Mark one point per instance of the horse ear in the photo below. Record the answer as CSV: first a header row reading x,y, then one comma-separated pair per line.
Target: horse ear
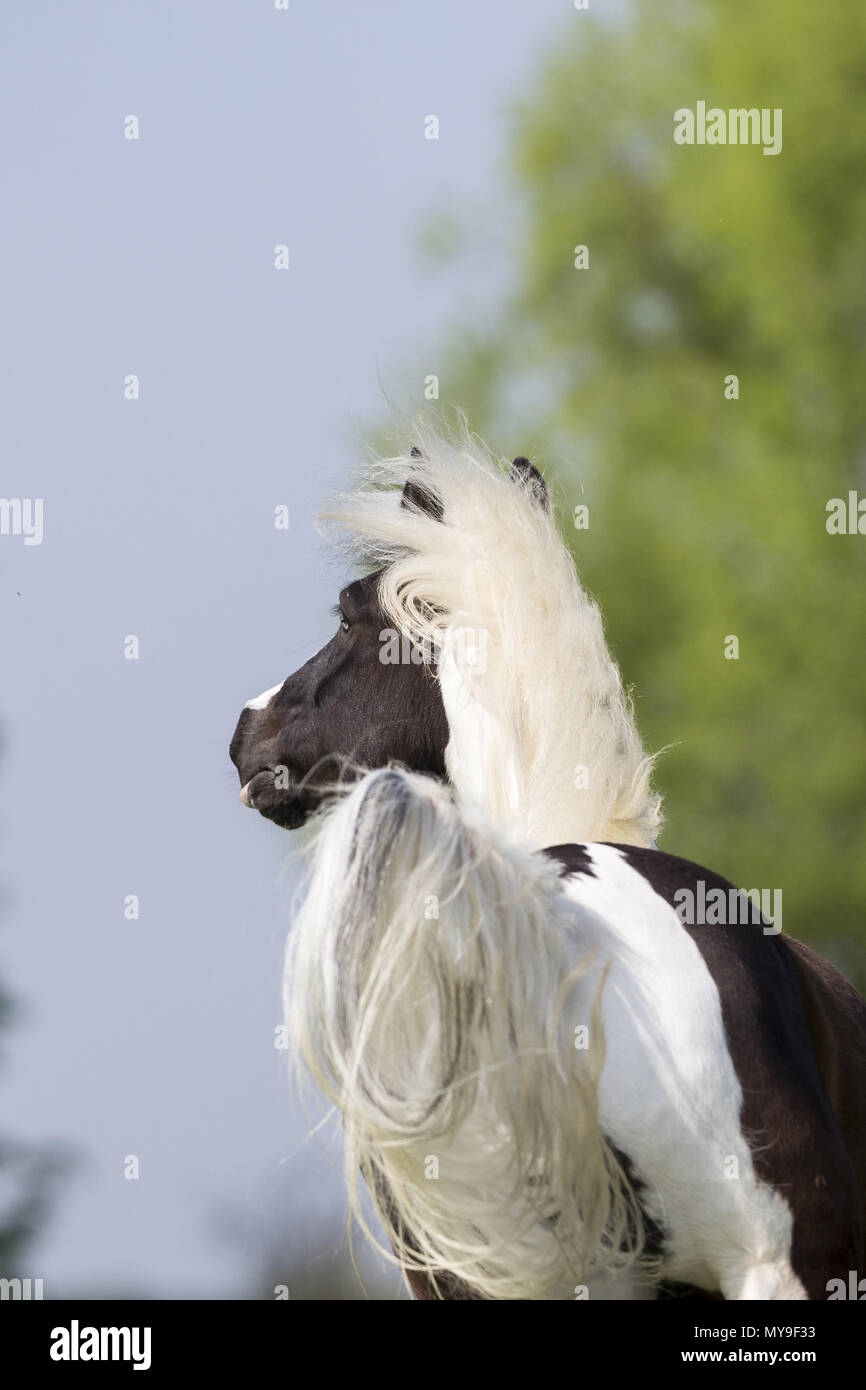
x,y
528,476
417,497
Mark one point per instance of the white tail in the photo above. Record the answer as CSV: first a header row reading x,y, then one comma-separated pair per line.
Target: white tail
x,y
434,980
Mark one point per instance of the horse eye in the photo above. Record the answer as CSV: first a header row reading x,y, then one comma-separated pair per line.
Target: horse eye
x,y
338,613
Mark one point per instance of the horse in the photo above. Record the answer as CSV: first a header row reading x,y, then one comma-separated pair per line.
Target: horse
x,y
555,1079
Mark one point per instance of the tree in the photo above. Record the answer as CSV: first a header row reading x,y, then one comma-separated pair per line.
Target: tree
x,y
28,1178
707,510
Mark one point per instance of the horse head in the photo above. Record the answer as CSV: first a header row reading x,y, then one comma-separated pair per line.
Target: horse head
x,y
368,698
468,651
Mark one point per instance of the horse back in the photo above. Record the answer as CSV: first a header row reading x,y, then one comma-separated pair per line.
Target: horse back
x,y
796,1035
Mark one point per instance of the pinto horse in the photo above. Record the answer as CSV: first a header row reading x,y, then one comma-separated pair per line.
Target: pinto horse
x,y
554,1074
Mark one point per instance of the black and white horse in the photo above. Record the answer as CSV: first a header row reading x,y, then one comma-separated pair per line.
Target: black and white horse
x,y
564,1060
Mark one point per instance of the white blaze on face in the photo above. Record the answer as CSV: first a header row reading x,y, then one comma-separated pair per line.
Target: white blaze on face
x,y
262,701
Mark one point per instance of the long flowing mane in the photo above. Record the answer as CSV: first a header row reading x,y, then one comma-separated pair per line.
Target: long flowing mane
x,y
542,732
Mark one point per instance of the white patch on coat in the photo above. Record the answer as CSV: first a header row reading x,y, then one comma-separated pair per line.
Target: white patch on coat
x,y
669,1095
262,701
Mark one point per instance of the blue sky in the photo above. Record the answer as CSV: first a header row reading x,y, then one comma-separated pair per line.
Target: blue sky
x,y
155,257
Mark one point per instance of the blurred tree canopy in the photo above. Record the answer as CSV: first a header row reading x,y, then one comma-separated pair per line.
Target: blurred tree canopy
x,y
29,1175
707,515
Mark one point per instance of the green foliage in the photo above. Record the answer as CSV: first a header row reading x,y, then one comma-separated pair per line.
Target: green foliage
x,y
707,515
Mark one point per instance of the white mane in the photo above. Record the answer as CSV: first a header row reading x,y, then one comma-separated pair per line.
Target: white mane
x,y
542,733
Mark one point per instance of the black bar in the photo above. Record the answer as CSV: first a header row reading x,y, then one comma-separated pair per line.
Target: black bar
x,y
239,1338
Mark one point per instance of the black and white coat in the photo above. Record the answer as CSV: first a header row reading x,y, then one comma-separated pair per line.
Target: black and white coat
x,y
746,1171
